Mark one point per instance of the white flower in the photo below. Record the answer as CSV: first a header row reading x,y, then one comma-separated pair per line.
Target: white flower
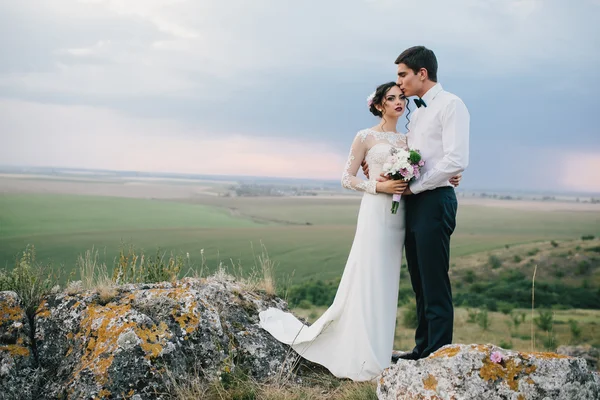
x,y
201,252
370,99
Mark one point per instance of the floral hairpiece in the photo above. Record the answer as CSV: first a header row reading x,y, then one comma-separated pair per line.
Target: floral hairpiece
x,y
370,99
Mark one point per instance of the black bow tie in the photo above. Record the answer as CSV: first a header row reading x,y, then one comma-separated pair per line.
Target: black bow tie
x,y
420,102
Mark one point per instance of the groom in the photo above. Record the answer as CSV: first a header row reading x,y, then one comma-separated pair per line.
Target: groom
x,y
439,128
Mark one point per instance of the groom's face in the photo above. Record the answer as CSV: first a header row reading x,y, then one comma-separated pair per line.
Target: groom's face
x,y
409,82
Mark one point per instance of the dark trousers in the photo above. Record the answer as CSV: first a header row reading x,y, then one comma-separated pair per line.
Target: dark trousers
x,y
430,221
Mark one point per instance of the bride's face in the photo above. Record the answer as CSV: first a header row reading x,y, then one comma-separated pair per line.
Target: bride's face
x,y
393,102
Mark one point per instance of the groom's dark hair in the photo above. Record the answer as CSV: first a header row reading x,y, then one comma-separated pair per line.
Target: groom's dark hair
x,y
418,57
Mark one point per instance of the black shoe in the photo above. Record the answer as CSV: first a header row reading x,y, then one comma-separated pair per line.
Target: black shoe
x,y
404,356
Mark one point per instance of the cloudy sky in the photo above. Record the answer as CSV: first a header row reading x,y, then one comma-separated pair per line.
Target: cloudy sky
x,y
278,88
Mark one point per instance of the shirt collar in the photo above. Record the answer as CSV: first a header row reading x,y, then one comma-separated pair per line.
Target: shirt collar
x,y
431,93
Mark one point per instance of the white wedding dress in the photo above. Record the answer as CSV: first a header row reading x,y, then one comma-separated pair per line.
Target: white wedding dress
x,y
355,336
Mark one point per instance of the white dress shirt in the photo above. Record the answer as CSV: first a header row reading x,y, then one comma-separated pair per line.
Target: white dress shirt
x,y
440,131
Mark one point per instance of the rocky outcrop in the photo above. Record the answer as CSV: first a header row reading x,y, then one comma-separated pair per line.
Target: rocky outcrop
x,y
90,346
590,354
19,375
131,341
487,372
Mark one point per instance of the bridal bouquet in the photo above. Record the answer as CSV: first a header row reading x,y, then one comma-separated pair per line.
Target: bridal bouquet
x,y
405,165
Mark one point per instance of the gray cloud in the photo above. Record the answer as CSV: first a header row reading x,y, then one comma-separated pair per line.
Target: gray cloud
x,y
302,70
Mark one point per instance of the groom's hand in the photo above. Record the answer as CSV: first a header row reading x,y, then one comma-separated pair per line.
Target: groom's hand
x,y
455,180
407,191
365,168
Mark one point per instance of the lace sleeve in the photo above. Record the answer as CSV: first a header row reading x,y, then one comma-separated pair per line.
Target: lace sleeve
x,y
355,158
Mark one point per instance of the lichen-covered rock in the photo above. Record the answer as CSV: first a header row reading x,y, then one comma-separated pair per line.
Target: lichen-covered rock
x,y
457,372
253,349
18,374
132,341
122,347
590,354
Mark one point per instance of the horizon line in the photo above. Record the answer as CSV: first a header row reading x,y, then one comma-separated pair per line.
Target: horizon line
x,y
229,177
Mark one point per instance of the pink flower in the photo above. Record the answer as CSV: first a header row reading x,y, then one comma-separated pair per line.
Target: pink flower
x,y
496,357
421,163
416,173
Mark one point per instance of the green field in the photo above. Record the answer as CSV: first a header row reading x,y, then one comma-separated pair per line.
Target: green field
x,y
307,238
501,330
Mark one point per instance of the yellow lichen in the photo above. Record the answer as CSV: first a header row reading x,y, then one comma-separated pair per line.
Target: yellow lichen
x,y
10,313
185,316
153,338
543,355
104,393
481,348
430,383
447,352
510,372
102,340
521,397
15,350
101,327
43,311
187,319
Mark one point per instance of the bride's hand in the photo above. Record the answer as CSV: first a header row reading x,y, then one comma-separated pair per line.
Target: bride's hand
x,y
391,186
383,178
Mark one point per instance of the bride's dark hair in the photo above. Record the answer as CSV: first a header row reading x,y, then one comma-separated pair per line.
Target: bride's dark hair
x,y
380,93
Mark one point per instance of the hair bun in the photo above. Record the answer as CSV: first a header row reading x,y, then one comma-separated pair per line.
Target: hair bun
x,y
375,111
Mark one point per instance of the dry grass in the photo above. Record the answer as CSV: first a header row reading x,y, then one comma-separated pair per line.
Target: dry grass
x,y
238,386
92,272
259,278
134,266
265,270
94,276
106,294
532,309
74,287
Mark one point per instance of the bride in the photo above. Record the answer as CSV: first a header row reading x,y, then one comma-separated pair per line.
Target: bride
x,y
355,336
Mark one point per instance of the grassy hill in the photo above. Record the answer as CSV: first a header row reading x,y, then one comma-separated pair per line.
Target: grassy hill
x,y
308,238
567,276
